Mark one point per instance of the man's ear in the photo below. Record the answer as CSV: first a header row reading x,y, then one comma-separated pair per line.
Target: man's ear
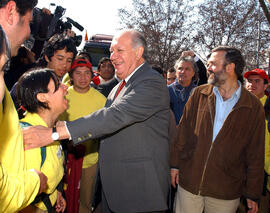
x,y
139,52
230,68
11,12
42,97
46,59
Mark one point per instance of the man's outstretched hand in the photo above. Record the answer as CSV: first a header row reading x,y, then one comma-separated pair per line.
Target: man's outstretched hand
x,y
38,136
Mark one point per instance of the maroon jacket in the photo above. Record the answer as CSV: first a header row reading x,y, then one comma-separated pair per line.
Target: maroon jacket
x,y
233,164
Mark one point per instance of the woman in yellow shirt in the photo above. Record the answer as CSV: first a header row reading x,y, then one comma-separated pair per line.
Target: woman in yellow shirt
x,y
41,94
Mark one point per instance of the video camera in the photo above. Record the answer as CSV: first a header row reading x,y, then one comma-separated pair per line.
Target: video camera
x,y
44,26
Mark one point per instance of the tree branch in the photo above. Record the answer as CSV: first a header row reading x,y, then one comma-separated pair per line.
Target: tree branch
x,y
265,10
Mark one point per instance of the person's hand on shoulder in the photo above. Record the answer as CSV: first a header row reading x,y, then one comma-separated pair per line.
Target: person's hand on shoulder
x,y
36,136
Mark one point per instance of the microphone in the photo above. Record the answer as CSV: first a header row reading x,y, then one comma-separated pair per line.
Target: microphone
x,y
75,24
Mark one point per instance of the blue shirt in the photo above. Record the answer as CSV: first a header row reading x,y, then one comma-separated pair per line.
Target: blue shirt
x,y
223,108
178,98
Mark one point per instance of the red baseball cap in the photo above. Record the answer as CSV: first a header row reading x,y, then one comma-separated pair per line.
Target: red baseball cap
x,y
259,72
81,63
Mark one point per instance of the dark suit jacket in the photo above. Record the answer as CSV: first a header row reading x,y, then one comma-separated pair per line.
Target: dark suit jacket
x,y
134,151
107,87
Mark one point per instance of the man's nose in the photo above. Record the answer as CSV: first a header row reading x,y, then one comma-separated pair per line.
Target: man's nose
x,y
113,56
65,64
208,67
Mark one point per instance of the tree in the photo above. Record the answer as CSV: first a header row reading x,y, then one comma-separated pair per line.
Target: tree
x,y
234,23
171,26
163,24
265,10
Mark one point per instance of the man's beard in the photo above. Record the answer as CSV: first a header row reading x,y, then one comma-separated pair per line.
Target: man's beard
x,y
217,78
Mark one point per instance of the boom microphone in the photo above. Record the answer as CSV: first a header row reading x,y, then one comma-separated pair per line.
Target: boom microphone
x,y
75,24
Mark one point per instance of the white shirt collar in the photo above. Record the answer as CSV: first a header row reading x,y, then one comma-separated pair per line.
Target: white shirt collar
x,y
131,74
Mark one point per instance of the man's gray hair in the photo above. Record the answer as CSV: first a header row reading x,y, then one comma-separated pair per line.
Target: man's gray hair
x,y
138,40
194,65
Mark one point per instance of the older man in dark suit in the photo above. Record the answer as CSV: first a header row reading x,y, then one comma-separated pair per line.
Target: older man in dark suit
x,y
133,157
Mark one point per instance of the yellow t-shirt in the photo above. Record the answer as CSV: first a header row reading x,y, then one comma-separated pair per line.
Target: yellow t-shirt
x,y
81,104
14,197
53,165
267,147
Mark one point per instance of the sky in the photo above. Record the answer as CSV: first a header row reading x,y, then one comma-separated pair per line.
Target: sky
x,y
97,17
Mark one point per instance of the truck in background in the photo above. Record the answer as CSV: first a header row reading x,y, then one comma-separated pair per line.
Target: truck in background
x,y
98,46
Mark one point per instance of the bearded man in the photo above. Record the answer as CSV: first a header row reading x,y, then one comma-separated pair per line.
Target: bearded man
x,y
219,152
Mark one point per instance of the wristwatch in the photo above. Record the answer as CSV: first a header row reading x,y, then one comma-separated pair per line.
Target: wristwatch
x,y
55,135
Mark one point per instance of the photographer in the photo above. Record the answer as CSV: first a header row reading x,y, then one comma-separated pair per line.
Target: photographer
x,y
45,25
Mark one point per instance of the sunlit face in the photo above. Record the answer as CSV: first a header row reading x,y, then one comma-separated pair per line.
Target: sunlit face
x,y
20,31
60,62
123,56
171,76
106,70
215,69
81,77
184,73
56,99
255,84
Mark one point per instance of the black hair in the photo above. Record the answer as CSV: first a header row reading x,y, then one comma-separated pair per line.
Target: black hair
x,y
23,6
57,42
81,53
102,60
171,70
30,84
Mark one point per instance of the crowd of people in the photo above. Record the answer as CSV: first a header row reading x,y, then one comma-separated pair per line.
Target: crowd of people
x,y
128,137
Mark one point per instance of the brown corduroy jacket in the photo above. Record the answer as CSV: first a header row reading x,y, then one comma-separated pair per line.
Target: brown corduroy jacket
x,y
233,164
